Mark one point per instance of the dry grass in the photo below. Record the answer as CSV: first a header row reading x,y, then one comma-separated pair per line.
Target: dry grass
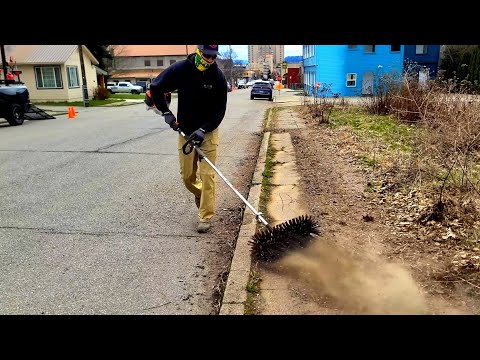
x,y
440,159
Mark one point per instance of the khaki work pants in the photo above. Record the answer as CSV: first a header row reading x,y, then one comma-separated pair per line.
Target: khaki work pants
x,y
203,184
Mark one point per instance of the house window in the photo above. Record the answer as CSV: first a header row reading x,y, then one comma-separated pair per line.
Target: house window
x,y
351,80
394,48
48,77
172,61
72,76
352,47
420,49
369,48
147,62
159,62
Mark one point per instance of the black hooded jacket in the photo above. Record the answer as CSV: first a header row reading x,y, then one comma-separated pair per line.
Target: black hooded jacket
x,y
202,95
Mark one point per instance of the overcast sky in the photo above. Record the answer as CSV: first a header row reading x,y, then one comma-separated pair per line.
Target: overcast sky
x,y
242,50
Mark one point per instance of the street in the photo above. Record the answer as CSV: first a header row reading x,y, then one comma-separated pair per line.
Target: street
x,y
94,218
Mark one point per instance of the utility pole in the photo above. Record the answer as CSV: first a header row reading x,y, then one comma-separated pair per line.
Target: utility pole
x,y
231,67
86,102
4,63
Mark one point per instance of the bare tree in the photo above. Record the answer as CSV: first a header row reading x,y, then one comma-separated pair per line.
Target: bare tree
x,y
115,50
226,62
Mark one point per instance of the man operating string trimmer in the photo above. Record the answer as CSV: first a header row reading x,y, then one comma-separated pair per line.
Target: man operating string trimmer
x,y
202,101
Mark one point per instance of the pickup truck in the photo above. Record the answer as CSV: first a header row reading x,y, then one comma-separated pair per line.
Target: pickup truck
x,y
124,87
14,103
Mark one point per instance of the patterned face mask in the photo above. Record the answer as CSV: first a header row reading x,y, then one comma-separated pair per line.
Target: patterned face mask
x,y
200,62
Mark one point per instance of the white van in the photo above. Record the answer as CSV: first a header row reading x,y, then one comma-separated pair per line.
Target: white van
x,y
241,84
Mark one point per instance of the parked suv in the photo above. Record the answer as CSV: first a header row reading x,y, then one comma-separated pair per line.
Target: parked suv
x,y
14,103
261,89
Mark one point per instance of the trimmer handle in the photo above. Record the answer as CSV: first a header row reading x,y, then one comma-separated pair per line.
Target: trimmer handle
x,y
190,144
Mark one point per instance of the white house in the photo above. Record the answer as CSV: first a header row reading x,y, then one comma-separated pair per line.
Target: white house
x,y
53,72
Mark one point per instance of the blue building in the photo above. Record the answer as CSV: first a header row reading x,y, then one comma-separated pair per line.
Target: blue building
x,y
423,57
352,70
349,70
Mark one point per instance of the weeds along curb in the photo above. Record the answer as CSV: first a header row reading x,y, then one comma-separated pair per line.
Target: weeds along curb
x,y
236,288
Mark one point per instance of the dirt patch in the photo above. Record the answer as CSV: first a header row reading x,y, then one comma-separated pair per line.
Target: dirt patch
x,y
228,221
372,255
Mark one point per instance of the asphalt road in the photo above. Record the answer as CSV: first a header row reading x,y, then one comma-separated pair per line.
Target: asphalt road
x,y
94,220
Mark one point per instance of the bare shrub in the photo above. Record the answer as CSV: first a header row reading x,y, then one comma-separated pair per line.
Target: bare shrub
x,y
101,93
384,88
323,103
343,103
446,152
414,99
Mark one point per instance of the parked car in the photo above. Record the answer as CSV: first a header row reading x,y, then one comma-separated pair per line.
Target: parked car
x,y
14,103
111,84
125,87
143,84
261,89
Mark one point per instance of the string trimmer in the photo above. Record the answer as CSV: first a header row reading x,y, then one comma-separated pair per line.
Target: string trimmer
x,y
271,242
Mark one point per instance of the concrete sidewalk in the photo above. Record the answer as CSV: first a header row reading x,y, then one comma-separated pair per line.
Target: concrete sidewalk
x,y
284,204
284,187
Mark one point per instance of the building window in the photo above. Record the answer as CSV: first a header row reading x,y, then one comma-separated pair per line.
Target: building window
x,y
351,80
369,48
172,61
394,48
72,76
48,77
352,47
308,50
147,62
420,49
159,62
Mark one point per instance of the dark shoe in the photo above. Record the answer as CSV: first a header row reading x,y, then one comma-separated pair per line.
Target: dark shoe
x,y
197,202
203,227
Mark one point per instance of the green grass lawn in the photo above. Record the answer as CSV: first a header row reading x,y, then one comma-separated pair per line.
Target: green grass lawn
x,y
92,103
133,96
112,99
127,96
396,135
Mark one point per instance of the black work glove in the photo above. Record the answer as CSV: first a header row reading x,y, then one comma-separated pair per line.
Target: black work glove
x,y
197,136
171,120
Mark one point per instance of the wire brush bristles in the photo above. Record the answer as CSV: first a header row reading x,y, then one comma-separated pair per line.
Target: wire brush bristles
x,y
270,245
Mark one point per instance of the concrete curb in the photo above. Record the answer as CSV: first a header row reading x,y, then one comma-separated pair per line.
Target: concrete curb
x,y
235,295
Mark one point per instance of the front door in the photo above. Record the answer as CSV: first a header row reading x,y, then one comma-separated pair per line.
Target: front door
x,y
423,78
367,83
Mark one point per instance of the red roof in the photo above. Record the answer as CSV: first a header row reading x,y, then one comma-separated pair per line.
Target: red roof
x,y
126,74
153,50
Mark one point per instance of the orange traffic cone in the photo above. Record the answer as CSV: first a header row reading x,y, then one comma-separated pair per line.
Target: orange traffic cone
x,y
71,112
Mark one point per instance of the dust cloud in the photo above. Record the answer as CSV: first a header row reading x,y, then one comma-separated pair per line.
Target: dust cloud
x,y
360,284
